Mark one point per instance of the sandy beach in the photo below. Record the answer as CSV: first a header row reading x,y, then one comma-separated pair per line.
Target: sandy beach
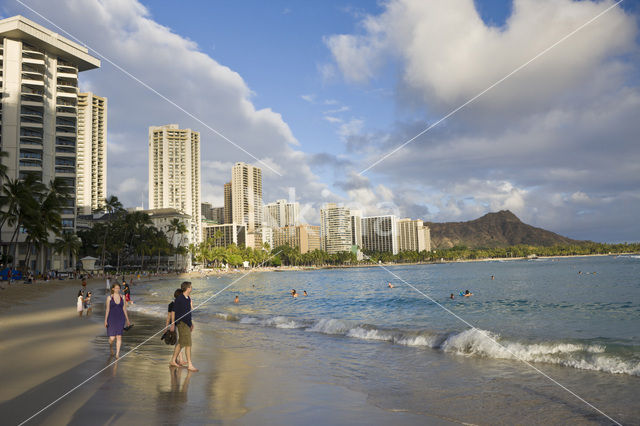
x,y
47,351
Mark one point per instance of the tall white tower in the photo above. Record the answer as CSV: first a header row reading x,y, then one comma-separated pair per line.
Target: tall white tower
x,y
174,172
91,173
39,82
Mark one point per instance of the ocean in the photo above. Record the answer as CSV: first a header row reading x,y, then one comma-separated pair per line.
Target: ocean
x,y
576,320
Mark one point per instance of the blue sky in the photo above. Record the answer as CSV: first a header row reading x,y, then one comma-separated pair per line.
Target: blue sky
x,y
319,91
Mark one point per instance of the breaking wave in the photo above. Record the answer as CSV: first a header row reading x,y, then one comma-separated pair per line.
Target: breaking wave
x,y
470,342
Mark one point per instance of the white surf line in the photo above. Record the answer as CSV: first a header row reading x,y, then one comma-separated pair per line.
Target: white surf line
x,y
502,346
452,112
136,347
149,87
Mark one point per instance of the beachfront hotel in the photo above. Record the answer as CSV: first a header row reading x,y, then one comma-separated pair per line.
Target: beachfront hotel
x,y
305,237
39,116
174,173
246,195
281,213
380,233
224,235
91,172
413,235
335,228
356,228
228,204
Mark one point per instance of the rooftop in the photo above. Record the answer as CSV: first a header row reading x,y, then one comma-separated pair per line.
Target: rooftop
x,y
20,28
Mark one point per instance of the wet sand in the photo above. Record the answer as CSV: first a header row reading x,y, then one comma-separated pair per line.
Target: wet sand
x,y
47,351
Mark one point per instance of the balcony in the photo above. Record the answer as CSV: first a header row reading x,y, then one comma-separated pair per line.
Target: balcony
x,y
25,122
63,101
62,141
31,143
32,98
68,95
34,78
63,133
31,155
33,61
29,134
31,164
63,90
65,171
66,111
31,112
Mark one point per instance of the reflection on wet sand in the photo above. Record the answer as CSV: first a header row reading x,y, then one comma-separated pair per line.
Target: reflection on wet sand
x,y
229,384
171,402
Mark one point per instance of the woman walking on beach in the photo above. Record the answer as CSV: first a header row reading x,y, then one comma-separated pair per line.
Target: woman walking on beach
x,y
115,318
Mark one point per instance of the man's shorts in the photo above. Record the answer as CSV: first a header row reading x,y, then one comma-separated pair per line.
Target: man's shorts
x,y
184,335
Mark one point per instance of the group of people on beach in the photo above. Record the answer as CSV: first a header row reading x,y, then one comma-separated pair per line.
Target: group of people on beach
x,y
179,321
83,303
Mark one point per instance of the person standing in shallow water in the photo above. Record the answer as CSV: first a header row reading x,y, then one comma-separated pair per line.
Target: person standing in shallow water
x,y
80,303
183,308
115,318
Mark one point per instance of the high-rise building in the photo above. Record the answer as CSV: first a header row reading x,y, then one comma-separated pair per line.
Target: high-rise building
x,y
356,228
335,228
217,214
305,237
225,234
380,233
39,83
91,170
174,172
206,211
427,238
413,235
228,203
282,213
246,195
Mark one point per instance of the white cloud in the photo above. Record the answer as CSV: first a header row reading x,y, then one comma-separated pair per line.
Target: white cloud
x,y
308,97
343,108
556,143
449,55
332,119
125,32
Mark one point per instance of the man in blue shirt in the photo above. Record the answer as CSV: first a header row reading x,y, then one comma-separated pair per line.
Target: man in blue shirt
x,y
182,307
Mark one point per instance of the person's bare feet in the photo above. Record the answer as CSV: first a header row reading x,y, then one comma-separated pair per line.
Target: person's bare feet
x,y
173,364
192,368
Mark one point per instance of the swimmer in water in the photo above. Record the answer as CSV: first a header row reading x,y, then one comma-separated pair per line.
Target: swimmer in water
x,y
467,293
236,300
390,285
493,277
452,296
294,293
304,292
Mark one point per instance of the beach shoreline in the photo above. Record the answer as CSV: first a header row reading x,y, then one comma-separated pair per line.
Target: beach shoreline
x,y
52,351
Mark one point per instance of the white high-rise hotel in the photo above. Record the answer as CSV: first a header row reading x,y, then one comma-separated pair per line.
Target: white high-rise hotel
x,y
174,172
91,187
246,195
39,83
282,213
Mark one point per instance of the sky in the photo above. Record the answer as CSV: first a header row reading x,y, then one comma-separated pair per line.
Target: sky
x,y
316,93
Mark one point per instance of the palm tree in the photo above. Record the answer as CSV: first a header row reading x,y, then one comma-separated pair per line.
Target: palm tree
x,y
69,244
22,200
111,206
